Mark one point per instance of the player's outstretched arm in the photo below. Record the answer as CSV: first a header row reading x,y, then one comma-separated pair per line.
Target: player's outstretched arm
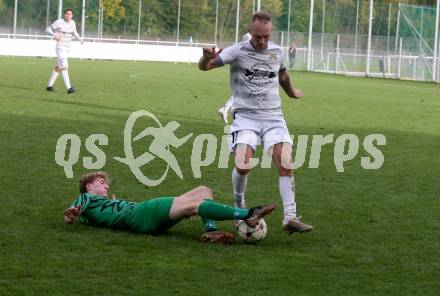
x,y
50,31
71,214
208,59
286,84
78,37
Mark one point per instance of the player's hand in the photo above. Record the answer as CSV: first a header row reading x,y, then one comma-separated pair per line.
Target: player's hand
x,y
71,214
297,93
210,53
57,36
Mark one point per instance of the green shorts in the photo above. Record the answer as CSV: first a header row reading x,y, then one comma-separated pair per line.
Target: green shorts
x,y
152,216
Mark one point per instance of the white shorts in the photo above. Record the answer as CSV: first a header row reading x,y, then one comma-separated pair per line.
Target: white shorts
x,y
250,130
61,58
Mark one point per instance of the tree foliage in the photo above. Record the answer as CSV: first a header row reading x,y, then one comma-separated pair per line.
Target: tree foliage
x,y
198,17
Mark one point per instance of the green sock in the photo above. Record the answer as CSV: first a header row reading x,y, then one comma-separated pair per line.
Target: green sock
x,y
209,225
211,210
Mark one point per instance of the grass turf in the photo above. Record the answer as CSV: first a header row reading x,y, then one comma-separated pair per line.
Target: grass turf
x,y
376,231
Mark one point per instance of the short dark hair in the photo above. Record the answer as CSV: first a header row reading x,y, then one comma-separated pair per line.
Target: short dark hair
x,y
68,9
261,16
90,178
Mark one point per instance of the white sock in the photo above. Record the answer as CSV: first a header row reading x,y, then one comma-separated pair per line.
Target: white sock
x,y
53,78
239,183
228,104
66,79
287,192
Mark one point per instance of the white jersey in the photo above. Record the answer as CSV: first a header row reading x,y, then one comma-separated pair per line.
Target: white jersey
x,y
246,37
254,78
66,29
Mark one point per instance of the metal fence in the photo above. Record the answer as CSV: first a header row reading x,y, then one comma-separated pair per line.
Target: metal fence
x,y
353,37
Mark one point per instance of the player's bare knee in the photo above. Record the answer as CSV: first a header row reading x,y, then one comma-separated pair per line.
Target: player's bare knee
x,y
243,158
193,208
282,157
204,192
242,171
192,205
285,172
286,162
243,165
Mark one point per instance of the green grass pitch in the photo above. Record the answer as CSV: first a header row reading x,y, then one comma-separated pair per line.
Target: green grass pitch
x,y
376,231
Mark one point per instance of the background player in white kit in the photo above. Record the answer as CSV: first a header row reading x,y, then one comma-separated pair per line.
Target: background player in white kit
x,y
62,29
226,108
256,72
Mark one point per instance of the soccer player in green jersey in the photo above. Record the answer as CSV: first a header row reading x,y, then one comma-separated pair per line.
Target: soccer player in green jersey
x,y
156,215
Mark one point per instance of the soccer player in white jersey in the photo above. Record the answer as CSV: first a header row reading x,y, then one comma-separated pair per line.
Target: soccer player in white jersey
x,y
62,29
256,72
224,110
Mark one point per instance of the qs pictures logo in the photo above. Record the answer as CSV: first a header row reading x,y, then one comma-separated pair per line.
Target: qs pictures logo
x,y
206,148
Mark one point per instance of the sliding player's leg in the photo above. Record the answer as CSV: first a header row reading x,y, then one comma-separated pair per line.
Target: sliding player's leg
x,y
199,201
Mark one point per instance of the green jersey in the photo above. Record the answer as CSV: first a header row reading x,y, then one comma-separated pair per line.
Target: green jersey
x,y
150,216
99,210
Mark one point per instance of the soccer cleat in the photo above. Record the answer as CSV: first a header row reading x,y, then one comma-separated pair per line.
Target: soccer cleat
x,y
50,88
256,213
219,237
223,114
71,90
295,225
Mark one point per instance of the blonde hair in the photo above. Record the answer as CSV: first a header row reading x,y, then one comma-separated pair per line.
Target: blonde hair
x,y
90,178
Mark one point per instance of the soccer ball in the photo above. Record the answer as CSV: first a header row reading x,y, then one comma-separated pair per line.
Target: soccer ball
x,y
252,234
